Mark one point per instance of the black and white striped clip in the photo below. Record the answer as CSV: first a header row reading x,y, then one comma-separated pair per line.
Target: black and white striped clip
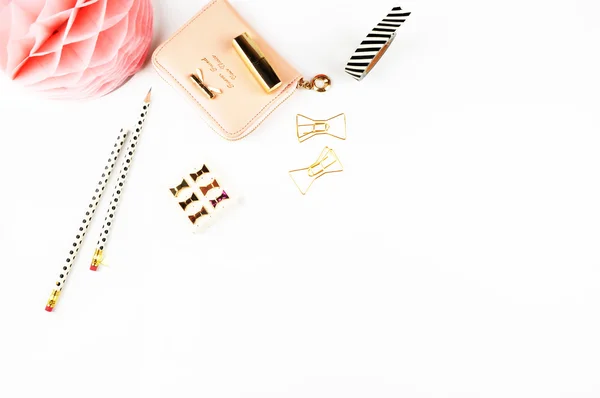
x,y
375,44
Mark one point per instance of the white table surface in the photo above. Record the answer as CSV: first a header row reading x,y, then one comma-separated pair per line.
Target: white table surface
x,y
456,256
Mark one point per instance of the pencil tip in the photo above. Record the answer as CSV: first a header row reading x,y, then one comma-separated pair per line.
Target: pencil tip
x,y
148,95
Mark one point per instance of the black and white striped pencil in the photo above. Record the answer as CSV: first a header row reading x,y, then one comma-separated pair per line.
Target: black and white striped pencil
x,y
89,213
120,184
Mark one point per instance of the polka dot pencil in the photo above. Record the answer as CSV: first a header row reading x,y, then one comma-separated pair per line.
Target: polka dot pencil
x,y
120,184
85,223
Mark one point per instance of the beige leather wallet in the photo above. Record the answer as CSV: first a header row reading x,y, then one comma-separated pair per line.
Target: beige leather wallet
x,y
200,62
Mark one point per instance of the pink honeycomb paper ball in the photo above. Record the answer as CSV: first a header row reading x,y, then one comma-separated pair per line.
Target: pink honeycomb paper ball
x,y
74,49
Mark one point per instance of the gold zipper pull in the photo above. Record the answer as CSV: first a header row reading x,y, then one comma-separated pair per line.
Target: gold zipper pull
x,y
319,83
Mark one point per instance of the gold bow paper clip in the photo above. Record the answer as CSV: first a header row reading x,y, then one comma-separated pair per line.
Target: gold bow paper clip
x,y
177,190
219,199
186,203
210,92
201,215
328,162
307,128
206,189
204,170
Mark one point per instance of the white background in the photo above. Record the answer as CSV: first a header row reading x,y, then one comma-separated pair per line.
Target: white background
x,y
456,256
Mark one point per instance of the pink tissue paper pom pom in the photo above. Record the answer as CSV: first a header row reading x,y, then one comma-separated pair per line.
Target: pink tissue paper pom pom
x,y
74,49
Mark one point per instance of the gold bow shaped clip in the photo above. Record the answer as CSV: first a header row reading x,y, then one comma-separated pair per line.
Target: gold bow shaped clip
x,y
177,190
204,170
210,92
206,189
328,162
199,215
186,203
307,128
219,199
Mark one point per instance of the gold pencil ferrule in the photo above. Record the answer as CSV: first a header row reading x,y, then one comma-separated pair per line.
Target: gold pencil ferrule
x,y
97,259
52,300
256,62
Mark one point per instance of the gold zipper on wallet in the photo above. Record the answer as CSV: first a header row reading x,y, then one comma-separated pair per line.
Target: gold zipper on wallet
x,y
319,83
